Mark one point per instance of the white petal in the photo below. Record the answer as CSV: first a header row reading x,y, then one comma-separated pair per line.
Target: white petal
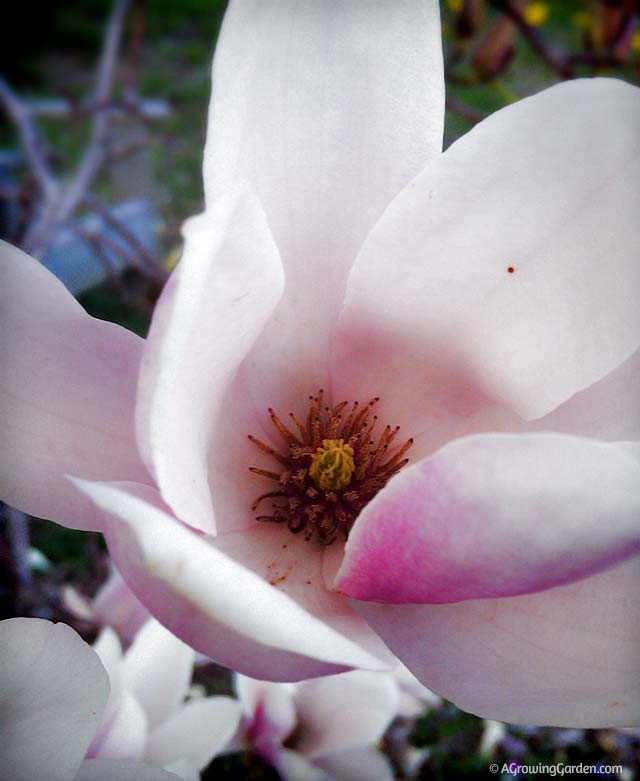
x,y
117,770
183,770
53,690
209,315
199,731
124,735
157,668
67,395
344,712
609,409
566,657
328,109
547,187
292,766
361,765
220,607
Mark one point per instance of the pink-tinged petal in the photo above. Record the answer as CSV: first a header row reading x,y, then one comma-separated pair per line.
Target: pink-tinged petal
x,y
157,669
124,735
565,657
215,604
344,712
67,395
496,515
509,265
609,409
53,690
269,711
328,110
360,765
226,285
197,732
117,770
115,605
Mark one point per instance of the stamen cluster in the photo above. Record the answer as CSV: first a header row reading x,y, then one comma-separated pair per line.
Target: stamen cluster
x,y
306,503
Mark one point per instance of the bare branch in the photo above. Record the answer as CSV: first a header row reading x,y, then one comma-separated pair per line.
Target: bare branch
x,y
30,139
553,56
148,262
58,212
60,108
464,111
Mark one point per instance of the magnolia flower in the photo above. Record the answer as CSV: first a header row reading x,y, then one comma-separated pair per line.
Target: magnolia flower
x,y
321,729
484,300
146,717
53,691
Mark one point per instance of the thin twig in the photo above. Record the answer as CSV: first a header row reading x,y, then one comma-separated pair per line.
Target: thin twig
x,y
550,54
30,139
57,213
464,111
143,108
153,267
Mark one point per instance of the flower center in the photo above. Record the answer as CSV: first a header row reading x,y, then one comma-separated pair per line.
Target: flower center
x,y
332,465
330,468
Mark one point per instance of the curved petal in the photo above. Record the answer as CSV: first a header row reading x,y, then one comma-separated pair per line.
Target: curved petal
x,y
109,650
565,657
157,668
414,697
344,712
294,566
609,409
210,313
508,268
116,606
67,395
125,734
292,766
269,711
197,732
214,603
328,109
361,765
117,770
496,515
53,690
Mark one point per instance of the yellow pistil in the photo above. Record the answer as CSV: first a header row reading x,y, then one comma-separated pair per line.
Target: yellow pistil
x,y
332,465
331,469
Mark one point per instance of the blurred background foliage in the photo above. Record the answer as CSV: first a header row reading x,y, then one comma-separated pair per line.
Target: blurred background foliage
x,y
495,53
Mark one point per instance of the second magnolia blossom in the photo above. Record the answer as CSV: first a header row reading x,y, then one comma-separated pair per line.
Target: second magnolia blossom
x,y
485,295
327,728
147,718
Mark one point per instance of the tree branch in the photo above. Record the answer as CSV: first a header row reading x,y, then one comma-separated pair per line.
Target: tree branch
x,y
57,212
30,139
